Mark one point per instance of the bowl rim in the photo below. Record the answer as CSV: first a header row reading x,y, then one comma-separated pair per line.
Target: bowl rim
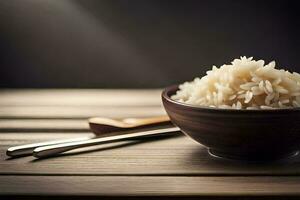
x,y
206,108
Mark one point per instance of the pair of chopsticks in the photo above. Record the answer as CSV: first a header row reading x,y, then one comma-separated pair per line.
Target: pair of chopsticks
x,y
101,127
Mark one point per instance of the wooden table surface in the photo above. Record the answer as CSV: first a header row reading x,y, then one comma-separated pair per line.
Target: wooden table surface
x,y
170,167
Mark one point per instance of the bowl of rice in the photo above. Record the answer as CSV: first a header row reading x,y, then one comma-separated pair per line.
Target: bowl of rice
x,y
245,110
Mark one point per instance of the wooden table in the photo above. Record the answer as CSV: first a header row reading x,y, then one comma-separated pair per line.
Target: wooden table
x,y
172,167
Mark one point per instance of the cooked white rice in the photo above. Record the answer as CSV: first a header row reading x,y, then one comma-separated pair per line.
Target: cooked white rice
x,y
245,84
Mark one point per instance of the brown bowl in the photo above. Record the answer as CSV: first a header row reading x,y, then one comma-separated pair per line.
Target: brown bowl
x,y
237,134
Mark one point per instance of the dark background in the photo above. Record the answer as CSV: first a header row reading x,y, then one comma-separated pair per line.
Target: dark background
x,y
138,43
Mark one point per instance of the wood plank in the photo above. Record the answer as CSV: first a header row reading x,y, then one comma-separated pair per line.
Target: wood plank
x,y
172,156
46,125
80,97
170,166
77,112
9,138
149,186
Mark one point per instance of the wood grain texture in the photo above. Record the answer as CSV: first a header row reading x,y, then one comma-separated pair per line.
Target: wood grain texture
x,y
172,156
78,112
79,104
79,97
175,166
150,186
46,125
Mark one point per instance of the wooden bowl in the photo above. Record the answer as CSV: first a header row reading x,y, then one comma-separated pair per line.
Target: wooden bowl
x,y
237,134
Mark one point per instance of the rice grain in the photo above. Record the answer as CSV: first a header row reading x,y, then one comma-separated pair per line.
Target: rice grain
x,y
243,84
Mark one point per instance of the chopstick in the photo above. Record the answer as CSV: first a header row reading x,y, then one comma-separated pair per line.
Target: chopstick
x,y
102,127
51,150
27,149
48,148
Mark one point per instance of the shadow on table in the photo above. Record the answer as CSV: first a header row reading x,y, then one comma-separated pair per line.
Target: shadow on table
x,y
110,146
200,159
